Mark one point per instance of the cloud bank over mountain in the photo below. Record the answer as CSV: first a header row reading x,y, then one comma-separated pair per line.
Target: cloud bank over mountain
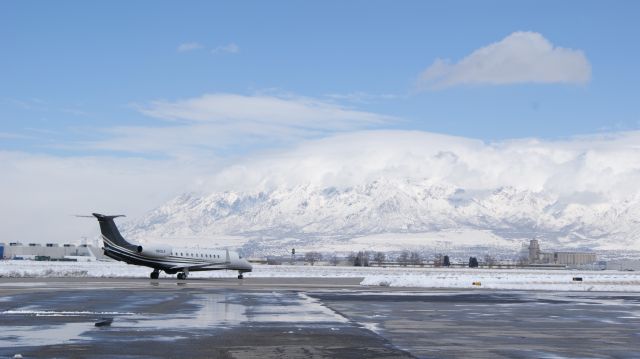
x,y
582,191
607,166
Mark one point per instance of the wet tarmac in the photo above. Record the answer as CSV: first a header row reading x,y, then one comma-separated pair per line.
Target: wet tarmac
x,y
307,318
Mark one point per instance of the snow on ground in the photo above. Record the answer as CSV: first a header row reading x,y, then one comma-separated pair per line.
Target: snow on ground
x,y
511,279
558,280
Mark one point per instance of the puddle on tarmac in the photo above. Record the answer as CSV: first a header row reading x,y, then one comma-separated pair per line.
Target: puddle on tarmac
x,y
53,313
213,311
221,310
20,336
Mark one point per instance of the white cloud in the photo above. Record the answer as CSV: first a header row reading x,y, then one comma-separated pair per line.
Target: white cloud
x,y
522,57
230,48
302,112
215,122
189,46
605,165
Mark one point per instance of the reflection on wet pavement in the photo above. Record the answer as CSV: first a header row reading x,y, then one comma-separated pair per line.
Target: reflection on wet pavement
x,y
194,312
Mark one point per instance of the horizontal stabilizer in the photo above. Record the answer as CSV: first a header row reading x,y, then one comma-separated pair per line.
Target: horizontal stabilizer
x,y
100,216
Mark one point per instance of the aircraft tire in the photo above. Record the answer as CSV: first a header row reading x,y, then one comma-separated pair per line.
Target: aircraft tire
x,y
154,275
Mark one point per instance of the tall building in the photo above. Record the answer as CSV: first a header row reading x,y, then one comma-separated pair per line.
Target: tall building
x,y
534,251
536,256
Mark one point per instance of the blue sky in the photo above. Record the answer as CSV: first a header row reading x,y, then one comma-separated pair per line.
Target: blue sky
x,y
119,106
71,69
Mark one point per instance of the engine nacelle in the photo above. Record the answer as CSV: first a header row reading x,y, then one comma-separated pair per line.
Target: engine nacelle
x,y
154,251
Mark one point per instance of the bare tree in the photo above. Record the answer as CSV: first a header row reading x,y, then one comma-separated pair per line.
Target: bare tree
x,y
379,258
522,261
334,259
489,261
415,259
312,257
362,259
351,258
438,261
403,259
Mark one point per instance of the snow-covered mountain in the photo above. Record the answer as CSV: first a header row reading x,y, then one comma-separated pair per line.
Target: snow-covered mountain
x,y
391,214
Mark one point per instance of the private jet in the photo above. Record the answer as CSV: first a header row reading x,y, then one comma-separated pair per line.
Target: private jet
x,y
169,259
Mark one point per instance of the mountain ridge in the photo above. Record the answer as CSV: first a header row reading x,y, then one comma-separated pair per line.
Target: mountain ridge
x,y
309,215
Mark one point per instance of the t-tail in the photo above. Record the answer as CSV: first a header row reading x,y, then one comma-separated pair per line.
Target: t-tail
x,y
110,233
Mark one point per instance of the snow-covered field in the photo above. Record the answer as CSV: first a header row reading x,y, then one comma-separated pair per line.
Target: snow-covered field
x,y
512,279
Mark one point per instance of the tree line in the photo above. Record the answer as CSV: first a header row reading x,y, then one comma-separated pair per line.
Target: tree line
x,y
406,258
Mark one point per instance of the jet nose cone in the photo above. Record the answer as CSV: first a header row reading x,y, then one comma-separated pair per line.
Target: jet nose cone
x,y
247,265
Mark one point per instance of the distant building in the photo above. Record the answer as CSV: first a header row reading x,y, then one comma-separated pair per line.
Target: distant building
x,y
625,264
50,250
536,256
534,251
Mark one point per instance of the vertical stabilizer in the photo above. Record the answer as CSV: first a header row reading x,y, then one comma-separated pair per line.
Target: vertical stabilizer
x,y
110,231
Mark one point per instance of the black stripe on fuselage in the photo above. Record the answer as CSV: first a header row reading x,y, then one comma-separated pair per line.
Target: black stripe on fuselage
x,y
166,263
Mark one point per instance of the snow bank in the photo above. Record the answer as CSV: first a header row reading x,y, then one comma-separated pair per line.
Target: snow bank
x,y
559,280
512,279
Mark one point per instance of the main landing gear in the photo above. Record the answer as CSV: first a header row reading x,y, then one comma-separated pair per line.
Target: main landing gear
x,y
182,276
240,276
155,274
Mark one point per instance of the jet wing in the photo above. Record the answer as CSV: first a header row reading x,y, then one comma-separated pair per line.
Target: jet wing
x,y
198,266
